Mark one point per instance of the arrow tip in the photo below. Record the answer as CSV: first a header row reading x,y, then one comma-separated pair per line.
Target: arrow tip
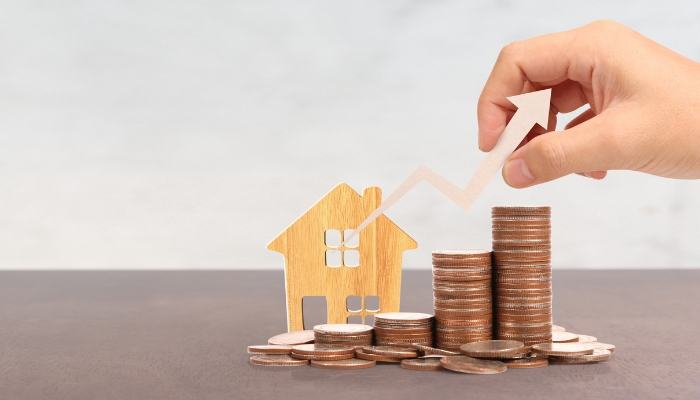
x,y
536,104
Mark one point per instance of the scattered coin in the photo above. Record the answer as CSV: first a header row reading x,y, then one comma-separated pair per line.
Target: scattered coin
x,y
529,362
422,364
292,338
432,350
472,365
492,348
597,356
556,349
564,337
602,346
276,360
361,353
392,351
352,363
557,328
270,349
587,339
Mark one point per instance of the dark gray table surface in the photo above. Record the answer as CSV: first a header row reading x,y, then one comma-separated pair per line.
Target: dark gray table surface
x,y
183,335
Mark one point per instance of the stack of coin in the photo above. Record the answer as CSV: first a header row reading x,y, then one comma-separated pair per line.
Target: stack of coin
x,y
354,335
522,274
402,328
462,293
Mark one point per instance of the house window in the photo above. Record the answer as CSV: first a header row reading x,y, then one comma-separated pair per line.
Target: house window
x,y
348,258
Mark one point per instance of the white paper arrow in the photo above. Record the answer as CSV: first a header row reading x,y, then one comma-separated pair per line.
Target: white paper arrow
x,y
533,108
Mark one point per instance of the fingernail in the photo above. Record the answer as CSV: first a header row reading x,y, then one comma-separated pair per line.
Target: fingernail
x,y
517,174
588,175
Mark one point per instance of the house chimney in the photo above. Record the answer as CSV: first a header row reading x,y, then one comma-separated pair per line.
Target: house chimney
x,y
372,196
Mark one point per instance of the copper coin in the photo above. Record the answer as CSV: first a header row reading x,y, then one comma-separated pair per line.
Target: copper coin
x,y
597,356
529,362
292,338
557,328
270,349
351,343
362,354
392,351
461,253
396,317
352,363
463,278
322,357
276,360
471,365
587,339
432,350
562,349
381,331
331,338
492,348
322,349
602,346
564,337
343,329
422,364
401,342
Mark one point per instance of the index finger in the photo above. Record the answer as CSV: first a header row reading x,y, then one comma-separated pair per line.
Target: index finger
x,y
559,60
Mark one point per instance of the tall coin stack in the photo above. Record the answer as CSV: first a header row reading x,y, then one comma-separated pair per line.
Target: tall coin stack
x,y
462,293
522,253
401,328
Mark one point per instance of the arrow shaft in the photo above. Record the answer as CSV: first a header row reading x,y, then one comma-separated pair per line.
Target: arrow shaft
x,y
514,133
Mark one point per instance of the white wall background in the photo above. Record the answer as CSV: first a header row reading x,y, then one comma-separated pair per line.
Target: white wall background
x,y
188,134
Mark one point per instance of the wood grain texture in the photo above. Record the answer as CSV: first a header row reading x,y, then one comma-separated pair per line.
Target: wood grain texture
x,y
183,335
381,247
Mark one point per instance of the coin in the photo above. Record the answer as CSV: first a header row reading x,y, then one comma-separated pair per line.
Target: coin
x,y
491,348
391,351
361,353
598,355
472,365
292,338
343,329
564,337
322,349
587,339
270,349
529,362
322,356
382,331
432,350
422,364
352,363
602,346
556,349
276,360
557,328
403,317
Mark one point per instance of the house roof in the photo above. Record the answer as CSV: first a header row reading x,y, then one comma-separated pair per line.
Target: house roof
x,y
355,209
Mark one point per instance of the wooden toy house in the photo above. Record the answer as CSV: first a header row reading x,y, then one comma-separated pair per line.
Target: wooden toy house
x,y
369,267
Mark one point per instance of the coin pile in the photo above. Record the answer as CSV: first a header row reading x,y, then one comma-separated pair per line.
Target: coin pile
x,y
402,328
354,335
522,279
462,297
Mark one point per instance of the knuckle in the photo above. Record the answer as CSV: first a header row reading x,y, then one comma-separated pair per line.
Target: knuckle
x,y
510,49
553,156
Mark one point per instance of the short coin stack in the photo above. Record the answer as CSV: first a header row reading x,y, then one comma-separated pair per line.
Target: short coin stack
x,y
522,274
354,335
402,328
463,298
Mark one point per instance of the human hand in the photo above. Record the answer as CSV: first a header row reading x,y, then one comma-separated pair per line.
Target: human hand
x,y
644,105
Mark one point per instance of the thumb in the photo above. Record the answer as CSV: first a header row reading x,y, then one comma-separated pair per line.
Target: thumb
x,y
589,146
